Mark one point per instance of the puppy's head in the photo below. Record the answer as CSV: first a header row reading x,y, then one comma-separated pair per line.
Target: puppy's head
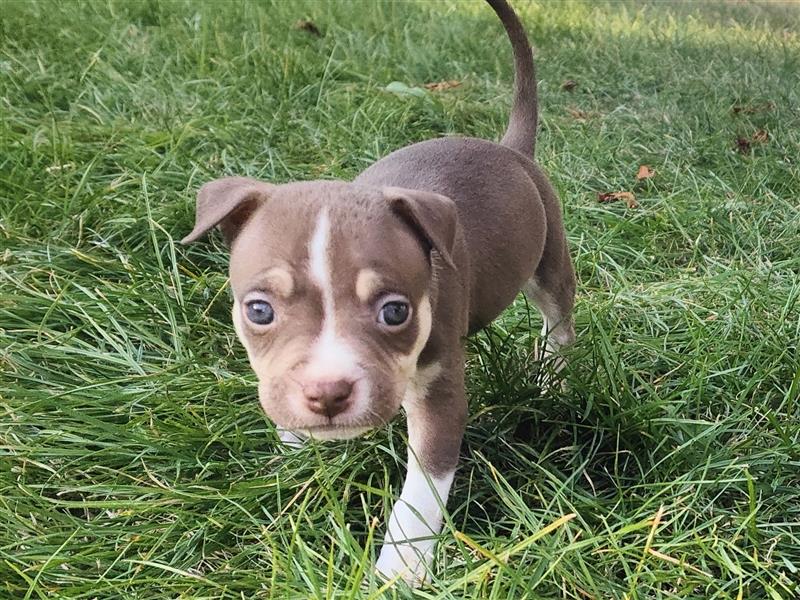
x,y
332,286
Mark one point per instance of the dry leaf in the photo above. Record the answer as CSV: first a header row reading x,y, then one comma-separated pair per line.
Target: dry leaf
x,y
308,26
578,114
750,109
440,86
645,172
569,85
743,145
627,197
582,115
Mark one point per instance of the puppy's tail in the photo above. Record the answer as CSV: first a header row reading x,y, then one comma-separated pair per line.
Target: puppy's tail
x,y
521,132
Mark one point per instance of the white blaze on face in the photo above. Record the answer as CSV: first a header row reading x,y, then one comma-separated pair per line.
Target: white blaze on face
x,y
331,358
318,259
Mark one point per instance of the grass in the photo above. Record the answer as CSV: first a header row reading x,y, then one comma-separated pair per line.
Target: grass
x,y
134,459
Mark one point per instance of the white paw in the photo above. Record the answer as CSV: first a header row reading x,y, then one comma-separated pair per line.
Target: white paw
x,y
549,375
415,522
408,561
290,439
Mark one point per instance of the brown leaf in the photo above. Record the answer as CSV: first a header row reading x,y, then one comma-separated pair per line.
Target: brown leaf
x,y
582,115
750,109
645,172
627,197
569,85
743,145
441,86
578,114
308,26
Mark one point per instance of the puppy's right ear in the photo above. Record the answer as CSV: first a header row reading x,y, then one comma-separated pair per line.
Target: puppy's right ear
x,y
226,202
431,216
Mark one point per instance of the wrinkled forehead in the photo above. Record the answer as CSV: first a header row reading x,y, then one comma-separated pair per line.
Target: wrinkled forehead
x,y
355,243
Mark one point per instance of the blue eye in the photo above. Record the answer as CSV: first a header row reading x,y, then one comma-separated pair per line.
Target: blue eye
x,y
394,313
260,312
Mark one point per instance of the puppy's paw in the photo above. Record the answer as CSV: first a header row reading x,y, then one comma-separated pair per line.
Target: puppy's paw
x,y
550,380
290,440
408,561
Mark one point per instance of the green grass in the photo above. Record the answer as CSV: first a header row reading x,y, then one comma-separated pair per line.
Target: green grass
x,y
135,461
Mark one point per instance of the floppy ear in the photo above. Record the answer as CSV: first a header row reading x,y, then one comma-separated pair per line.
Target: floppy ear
x,y
431,216
226,202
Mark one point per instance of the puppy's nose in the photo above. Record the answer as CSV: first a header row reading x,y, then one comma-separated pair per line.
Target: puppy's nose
x,y
328,398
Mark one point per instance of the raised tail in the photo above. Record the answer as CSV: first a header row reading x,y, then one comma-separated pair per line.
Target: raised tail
x,y
521,132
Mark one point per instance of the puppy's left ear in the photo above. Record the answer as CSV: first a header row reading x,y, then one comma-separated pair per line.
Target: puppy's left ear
x,y
431,216
226,202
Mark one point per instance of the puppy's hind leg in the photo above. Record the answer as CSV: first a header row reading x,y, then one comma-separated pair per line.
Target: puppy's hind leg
x,y
552,290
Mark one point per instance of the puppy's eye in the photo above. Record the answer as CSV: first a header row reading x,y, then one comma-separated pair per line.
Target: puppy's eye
x,y
260,312
394,313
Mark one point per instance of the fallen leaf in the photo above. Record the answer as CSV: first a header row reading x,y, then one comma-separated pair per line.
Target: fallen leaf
x,y
308,26
569,85
578,114
401,89
627,197
645,172
743,145
440,86
750,109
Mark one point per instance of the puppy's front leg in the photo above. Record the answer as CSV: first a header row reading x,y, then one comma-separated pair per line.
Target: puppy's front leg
x,y
290,439
436,410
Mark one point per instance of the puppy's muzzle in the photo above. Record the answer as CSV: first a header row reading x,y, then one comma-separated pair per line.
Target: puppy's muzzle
x,y
328,398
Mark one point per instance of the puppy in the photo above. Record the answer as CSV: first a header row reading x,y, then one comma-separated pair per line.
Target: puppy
x,y
353,299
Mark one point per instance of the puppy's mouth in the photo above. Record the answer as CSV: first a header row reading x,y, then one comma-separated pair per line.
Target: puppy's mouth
x,y
288,412
334,432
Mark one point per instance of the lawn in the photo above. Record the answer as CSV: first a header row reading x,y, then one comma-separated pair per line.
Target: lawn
x,y
135,461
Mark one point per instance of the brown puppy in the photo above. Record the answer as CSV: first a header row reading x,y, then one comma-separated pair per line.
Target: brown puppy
x,y
353,299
